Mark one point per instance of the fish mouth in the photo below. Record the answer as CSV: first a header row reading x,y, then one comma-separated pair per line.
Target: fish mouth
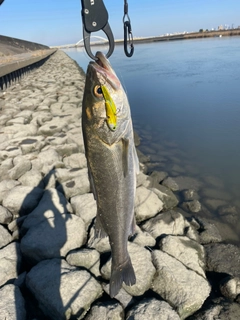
x,y
102,66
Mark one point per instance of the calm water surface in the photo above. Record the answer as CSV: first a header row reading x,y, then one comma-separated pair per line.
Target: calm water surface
x,y
185,104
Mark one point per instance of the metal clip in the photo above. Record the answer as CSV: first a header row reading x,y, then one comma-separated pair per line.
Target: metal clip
x,y
95,18
128,36
128,39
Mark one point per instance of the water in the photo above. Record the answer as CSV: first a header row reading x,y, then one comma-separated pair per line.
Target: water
x,y
185,103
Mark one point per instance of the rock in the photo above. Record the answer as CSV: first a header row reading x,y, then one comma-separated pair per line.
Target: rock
x,y
123,297
76,160
174,283
170,183
219,309
12,304
185,182
10,262
5,186
214,181
190,253
192,206
189,195
213,204
170,222
5,215
61,290
51,204
216,194
223,258
5,237
86,258
49,159
229,214
54,237
21,200
141,261
147,204
32,178
67,149
106,310
151,309
158,176
143,238
85,207
52,127
210,232
32,144
166,196
76,186
230,287
21,166
100,244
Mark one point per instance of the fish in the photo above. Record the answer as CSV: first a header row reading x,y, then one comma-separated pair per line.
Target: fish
x,y
112,164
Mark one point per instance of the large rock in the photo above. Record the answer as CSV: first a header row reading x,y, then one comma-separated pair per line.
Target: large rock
x,y
5,237
170,222
21,200
6,186
5,215
85,207
147,204
12,304
151,309
219,309
106,310
54,237
32,178
188,252
10,262
86,258
61,290
51,204
166,196
141,261
21,166
76,186
223,258
182,288
185,182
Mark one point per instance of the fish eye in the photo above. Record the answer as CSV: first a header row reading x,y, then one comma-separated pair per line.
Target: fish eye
x,y
98,91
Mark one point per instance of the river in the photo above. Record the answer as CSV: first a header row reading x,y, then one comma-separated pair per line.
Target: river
x,y
185,104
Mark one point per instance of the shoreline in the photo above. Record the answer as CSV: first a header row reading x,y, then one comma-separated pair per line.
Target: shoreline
x,y
47,212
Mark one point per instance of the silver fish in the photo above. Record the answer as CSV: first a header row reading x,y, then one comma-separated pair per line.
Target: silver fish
x,y
112,164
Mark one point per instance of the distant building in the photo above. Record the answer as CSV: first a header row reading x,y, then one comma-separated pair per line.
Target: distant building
x,y
220,27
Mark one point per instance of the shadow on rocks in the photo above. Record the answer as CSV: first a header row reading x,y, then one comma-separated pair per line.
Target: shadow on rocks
x,y
42,236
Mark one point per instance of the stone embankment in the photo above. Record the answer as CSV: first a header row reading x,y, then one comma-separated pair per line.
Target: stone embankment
x,y
50,265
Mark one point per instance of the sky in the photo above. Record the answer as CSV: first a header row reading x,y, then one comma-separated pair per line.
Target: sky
x,y
58,22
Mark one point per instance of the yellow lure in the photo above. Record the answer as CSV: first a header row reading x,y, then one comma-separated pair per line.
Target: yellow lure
x,y
111,110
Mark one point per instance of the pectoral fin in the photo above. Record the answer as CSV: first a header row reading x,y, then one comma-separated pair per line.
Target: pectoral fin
x,y
125,146
92,185
99,230
135,160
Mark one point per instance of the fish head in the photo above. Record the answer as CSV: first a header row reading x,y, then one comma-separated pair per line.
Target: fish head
x,y
105,104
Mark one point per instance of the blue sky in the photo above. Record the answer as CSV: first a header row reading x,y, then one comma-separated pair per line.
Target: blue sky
x,y
55,22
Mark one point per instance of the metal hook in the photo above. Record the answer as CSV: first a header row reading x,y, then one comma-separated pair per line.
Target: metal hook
x,y
128,39
95,18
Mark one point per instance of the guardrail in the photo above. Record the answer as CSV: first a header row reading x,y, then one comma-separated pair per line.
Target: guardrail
x,y
13,67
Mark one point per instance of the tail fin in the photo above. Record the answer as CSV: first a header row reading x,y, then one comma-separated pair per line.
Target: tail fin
x,y
120,274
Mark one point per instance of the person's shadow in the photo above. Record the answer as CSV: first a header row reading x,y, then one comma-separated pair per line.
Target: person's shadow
x,y
54,236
